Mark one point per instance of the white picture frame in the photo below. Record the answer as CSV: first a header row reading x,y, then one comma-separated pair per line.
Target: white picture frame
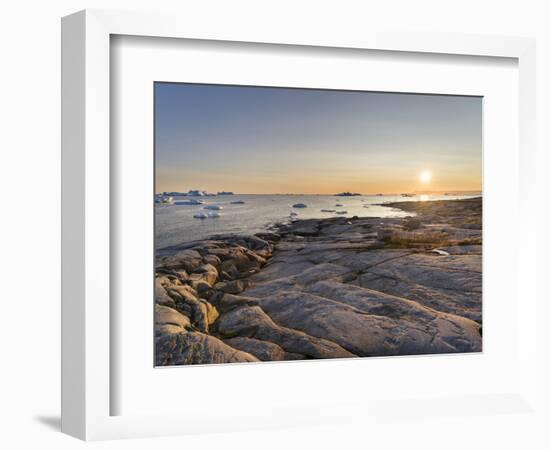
x,y
86,237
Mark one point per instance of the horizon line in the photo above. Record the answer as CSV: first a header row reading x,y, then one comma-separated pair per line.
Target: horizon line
x,y
353,194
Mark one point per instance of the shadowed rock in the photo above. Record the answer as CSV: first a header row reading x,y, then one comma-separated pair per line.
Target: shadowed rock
x,y
263,350
196,348
190,306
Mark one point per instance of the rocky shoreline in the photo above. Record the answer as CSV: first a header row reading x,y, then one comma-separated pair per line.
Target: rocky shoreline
x,y
326,288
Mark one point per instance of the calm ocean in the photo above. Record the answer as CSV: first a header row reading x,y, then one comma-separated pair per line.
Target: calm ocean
x,y
175,224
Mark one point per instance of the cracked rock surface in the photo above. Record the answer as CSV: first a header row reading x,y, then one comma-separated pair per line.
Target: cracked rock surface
x,y
326,288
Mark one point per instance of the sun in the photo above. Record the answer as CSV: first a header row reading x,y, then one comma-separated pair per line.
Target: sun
x,y
425,176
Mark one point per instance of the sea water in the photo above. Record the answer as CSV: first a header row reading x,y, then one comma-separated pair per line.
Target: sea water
x,y
175,224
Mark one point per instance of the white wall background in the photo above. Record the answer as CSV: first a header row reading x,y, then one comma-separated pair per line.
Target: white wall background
x,y
30,193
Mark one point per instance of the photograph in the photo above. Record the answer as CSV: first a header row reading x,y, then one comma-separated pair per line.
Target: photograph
x,y
297,224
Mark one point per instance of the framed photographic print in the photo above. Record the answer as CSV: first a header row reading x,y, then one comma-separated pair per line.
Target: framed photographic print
x,y
291,213
329,224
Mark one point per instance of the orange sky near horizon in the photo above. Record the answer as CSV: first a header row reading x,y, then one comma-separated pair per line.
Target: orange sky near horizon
x,y
252,140
325,183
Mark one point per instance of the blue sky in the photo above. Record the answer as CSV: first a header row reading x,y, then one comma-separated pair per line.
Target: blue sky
x,y
279,140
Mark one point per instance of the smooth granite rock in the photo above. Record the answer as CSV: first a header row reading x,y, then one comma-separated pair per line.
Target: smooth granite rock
x,y
196,348
253,322
263,350
326,288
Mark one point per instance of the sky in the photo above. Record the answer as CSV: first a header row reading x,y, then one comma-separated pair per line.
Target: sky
x,y
262,140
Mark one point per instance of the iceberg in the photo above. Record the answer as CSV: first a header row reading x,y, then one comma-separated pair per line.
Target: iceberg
x,y
166,199
210,215
199,193
348,194
190,202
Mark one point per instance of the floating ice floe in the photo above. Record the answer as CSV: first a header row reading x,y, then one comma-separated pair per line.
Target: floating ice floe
x,y
328,210
189,202
197,193
299,205
167,199
338,204
213,207
210,215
